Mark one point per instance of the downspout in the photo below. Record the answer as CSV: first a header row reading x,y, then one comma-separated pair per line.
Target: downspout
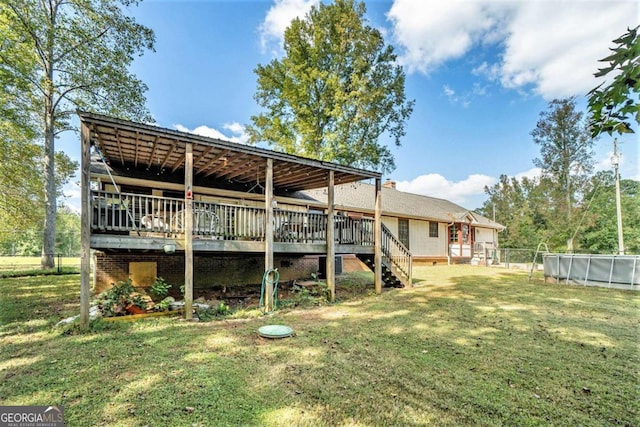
x,y
448,249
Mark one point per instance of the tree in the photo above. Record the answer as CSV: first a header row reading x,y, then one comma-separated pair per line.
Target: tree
x,y
612,106
77,53
68,239
598,233
521,206
335,92
566,157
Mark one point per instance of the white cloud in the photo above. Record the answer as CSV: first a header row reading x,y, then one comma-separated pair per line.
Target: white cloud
x,y
235,128
552,47
431,33
530,174
72,196
239,130
435,185
448,91
556,46
278,18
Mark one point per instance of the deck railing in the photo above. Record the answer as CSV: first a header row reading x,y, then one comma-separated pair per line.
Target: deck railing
x,y
396,253
123,213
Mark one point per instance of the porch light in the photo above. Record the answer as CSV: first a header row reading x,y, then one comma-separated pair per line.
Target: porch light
x,y
169,248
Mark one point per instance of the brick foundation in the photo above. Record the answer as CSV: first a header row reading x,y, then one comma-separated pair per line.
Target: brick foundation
x,y
210,271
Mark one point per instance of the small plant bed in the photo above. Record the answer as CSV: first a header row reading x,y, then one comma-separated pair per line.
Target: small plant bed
x,y
124,299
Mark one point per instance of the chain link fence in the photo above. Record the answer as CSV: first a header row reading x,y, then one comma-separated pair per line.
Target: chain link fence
x,y
25,263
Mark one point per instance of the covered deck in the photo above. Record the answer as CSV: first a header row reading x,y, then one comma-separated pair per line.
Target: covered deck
x,y
204,194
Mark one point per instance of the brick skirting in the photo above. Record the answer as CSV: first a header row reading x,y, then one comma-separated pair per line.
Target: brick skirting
x,y
209,270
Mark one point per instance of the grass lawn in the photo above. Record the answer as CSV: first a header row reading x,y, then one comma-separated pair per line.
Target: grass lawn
x,y
466,346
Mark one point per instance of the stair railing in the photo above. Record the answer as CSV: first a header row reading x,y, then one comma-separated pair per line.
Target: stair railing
x,y
397,254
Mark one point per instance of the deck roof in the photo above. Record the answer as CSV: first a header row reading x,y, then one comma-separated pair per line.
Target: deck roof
x,y
128,144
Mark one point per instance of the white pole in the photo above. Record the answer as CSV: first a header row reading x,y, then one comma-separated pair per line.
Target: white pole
x,y
615,159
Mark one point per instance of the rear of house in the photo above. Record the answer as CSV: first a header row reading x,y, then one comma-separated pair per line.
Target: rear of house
x,y
434,230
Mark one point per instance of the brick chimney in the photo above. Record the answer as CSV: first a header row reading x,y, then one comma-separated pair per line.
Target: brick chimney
x,y
389,184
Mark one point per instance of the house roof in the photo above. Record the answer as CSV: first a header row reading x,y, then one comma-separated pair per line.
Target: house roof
x,y
359,196
125,144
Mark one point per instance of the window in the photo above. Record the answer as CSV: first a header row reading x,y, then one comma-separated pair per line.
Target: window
x,y
465,233
433,229
403,232
453,233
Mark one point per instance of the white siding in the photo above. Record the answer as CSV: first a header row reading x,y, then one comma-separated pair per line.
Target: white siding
x,y
422,244
485,235
392,224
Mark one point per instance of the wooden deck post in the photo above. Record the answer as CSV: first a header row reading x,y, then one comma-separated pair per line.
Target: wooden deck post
x,y
188,232
331,241
85,225
377,236
269,231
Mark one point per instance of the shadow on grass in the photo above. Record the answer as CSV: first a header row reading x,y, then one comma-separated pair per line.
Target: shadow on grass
x,y
468,348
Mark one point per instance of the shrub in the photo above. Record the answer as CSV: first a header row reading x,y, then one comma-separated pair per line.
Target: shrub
x,y
159,289
207,314
121,296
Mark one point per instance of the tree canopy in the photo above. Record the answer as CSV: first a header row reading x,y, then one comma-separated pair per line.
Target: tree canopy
x,y
614,105
336,92
58,56
566,156
567,207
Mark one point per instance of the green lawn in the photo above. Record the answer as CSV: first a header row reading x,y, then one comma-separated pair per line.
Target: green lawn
x,y
466,346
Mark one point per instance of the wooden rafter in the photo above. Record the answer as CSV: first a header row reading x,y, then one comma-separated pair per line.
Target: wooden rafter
x,y
169,153
202,157
119,147
178,163
153,152
211,162
138,145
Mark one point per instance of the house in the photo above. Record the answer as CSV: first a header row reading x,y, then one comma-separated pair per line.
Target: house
x,y
434,230
203,212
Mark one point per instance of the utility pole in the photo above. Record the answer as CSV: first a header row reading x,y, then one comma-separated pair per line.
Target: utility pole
x,y
615,161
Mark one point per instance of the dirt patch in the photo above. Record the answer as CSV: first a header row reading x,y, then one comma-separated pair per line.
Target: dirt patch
x,y
289,293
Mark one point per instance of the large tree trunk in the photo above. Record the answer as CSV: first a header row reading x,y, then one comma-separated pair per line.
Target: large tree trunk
x,y
49,233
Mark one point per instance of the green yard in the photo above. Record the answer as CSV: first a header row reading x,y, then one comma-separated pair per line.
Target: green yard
x,y
466,346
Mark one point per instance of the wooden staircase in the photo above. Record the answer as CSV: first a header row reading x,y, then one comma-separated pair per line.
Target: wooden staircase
x,y
396,261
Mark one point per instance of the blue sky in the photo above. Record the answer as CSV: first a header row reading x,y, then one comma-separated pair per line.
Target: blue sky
x,y
480,73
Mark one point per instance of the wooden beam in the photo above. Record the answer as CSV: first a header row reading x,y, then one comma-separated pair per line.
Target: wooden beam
x,y
331,241
236,162
85,225
216,158
305,176
178,163
203,155
224,163
377,237
188,233
153,151
119,146
269,234
135,156
170,152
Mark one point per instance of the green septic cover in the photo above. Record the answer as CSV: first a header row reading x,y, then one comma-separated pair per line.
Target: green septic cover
x,y
275,331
